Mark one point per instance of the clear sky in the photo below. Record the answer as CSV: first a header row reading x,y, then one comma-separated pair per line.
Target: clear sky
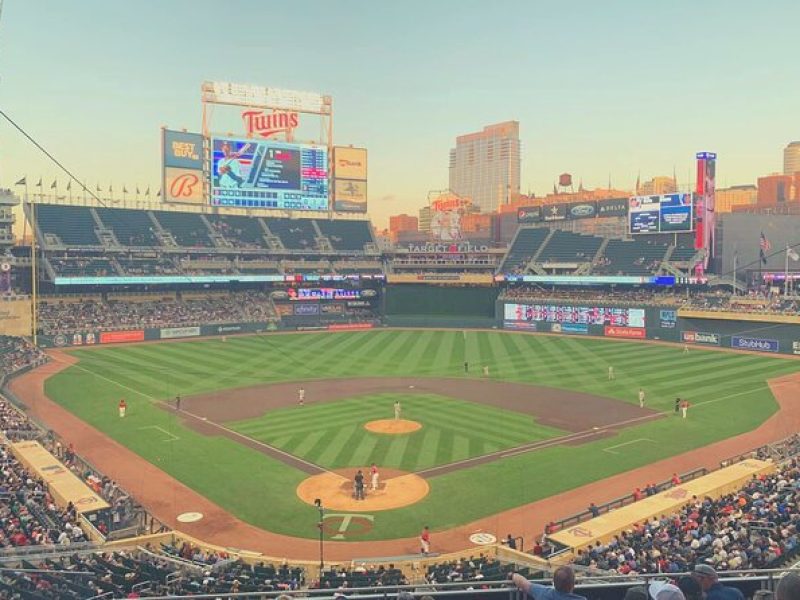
x,y
599,88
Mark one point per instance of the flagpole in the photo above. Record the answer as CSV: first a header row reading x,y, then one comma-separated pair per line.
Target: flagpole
x,y
735,256
786,271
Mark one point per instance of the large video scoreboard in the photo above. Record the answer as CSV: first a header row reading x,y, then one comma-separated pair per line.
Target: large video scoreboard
x,y
670,213
269,174
586,315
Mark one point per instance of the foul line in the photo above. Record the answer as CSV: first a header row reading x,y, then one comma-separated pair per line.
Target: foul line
x,y
212,423
610,449
572,437
172,436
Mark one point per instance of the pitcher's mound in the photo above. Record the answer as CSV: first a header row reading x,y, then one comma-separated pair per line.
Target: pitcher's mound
x,y
395,490
392,426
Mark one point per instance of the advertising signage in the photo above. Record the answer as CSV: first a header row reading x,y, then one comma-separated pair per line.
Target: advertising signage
x,y
529,214
615,207
670,213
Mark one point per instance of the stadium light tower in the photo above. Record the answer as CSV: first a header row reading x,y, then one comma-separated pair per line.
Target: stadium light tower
x,y
320,523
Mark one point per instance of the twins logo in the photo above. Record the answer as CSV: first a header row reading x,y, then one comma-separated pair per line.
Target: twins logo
x,y
183,185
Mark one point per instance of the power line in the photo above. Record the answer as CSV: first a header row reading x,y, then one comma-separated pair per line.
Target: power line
x,y
50,156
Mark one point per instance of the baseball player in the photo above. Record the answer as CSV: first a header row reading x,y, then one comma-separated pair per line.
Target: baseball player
x,y
123,406
375,475
611,376
397,410
641,398
684,408
301,396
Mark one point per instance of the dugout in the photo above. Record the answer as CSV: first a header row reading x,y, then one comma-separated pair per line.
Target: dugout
x,y
606,526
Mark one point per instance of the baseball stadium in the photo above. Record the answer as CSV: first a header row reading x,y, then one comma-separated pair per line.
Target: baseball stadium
x,y
240,387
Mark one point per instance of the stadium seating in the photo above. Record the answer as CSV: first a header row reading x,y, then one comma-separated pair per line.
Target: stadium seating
x,y
637,257
564,246
346,235
82,266
130,227
148,266
188,229
469,569
143,573
17,353
240,231
74,225
756,527
524,248
295,234
76,317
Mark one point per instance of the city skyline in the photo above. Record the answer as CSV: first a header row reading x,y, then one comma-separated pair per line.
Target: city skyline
x,y
598,95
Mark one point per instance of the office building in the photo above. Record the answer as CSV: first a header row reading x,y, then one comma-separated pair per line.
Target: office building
x,y
485,166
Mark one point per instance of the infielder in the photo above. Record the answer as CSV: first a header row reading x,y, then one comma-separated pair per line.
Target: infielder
x,y
123,406
301,396
641,398
611,376
397,410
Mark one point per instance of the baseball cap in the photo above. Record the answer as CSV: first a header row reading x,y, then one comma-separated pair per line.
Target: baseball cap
x,y
706,570
661,590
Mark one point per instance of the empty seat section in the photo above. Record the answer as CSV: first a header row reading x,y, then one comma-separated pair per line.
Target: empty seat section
x,y
131,227
241,231
296,234
346,235
188,229
74,225
637,257
525,246
565,246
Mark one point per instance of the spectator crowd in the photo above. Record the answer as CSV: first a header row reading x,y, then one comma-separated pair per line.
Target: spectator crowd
x,y
756,527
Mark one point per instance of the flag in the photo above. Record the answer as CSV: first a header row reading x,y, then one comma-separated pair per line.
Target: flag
x,y
110,187
40,182
792,254
98,188
69,185
763,247
158,195
54,184
147,191
124,190
638,182
23,181
137,190
555,191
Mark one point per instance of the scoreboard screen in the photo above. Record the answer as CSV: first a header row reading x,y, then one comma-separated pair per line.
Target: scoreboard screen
x,y
269,174
670,213
587,315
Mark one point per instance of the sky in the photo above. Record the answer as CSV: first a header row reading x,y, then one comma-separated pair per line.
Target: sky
x,y
600,89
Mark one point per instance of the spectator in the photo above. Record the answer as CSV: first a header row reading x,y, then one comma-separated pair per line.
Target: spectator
x,y
708,579
563,586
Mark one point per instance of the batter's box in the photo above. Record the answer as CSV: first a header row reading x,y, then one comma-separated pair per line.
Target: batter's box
x,y
171,437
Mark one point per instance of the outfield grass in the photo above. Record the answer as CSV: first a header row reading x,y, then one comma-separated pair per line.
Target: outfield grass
x,y
332,434
728,391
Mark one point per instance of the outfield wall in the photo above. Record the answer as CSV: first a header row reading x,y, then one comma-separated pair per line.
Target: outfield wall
x,y
664,323
424,305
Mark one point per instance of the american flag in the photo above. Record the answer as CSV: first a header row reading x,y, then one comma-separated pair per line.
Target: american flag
x,y
764,243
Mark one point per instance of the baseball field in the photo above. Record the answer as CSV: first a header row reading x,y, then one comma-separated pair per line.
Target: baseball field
x,y
547,418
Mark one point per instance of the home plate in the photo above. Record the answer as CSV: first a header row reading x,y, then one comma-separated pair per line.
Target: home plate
x,y
595,428
190,517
